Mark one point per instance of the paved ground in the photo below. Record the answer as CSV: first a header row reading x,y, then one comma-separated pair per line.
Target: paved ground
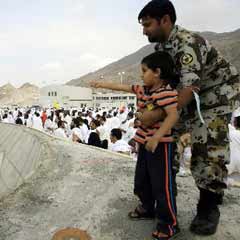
x,y
92,189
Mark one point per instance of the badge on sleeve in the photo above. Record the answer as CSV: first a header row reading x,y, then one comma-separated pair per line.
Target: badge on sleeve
x,y
186,59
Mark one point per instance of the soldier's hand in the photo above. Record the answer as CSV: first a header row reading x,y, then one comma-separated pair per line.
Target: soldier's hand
x,y
152,143
149,118
138,115
95,84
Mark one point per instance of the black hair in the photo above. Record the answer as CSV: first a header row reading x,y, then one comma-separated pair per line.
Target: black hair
x,y
96,122
104,144
76,122
19,121
165,62
237,122
60,123
73,112
131,114
116,132
103,118
94,139
85,121
66,112
157,9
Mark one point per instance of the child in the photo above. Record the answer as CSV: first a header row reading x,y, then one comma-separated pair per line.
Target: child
x,y
153,175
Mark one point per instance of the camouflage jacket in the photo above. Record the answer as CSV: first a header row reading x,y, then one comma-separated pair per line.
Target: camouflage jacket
x,y
200,64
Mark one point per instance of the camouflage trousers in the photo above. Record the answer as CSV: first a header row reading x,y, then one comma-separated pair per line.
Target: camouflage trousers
x,y
210,141
210,151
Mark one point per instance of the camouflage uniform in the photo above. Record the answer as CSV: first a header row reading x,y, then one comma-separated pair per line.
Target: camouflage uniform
x,y
201,65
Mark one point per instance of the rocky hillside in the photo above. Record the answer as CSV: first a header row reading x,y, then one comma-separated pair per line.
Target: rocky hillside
x,y
26,95
227,43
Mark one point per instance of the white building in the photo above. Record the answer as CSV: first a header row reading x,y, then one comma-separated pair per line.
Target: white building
x,y
109,100
79,97
66,96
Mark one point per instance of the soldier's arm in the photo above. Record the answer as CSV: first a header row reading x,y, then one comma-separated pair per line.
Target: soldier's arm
x,y
148,118
190,61
185,96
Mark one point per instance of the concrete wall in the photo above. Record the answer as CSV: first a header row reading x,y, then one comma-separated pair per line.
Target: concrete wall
x,y
21,152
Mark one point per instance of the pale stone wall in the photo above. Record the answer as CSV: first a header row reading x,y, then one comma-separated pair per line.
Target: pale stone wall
x,y
21,152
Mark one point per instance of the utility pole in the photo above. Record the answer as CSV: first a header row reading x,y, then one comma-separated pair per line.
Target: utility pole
x,y
121,76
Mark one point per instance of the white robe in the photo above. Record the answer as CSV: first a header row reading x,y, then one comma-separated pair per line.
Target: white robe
x,y
5,120
77,131
234,135
37,123
48,126
60,132
120,146
84,132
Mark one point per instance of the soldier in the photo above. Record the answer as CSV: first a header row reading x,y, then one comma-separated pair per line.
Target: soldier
x,y
209,91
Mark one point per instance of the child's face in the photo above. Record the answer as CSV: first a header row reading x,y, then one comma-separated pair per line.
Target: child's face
x,y
149,76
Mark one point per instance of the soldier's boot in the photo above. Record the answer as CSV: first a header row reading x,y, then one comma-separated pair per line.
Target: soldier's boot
x,y
208,214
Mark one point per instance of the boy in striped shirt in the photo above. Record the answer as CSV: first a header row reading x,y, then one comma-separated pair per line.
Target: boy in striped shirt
x,y
153,176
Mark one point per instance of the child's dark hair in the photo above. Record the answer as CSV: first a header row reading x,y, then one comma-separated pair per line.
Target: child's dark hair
x,y
157,9
165,63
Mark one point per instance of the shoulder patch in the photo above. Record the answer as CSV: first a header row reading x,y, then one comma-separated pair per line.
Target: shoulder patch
x,y
186,59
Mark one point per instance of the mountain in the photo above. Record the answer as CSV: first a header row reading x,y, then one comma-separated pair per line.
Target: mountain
x,y
26,95
227,43
28,86
7,88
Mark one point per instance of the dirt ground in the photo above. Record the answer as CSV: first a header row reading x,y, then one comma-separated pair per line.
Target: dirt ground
x,y
92,190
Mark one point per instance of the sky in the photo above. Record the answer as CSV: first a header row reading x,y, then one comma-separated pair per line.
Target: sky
x,y
53,41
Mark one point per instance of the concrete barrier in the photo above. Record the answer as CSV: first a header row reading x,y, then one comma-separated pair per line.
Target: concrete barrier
x,y
21,152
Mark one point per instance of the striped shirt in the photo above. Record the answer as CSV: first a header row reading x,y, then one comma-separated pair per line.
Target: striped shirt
x,y
164,97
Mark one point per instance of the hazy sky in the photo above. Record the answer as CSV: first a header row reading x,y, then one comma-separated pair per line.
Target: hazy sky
x,y
54,41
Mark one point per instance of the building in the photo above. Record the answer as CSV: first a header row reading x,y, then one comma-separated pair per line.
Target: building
x,y
66,96
110,100
78,97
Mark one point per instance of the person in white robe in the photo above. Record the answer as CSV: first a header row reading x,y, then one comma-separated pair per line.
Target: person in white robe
x,y
37,122
118,145
234,135
60,131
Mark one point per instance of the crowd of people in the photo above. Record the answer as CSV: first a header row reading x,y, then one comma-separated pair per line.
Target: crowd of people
x,y
111,129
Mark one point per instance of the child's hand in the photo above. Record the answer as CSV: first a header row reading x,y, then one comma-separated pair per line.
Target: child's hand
x,y
95,84
152,143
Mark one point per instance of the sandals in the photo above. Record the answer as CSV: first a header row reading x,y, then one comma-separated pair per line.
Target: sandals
x,y
141,214
157,235
160,236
